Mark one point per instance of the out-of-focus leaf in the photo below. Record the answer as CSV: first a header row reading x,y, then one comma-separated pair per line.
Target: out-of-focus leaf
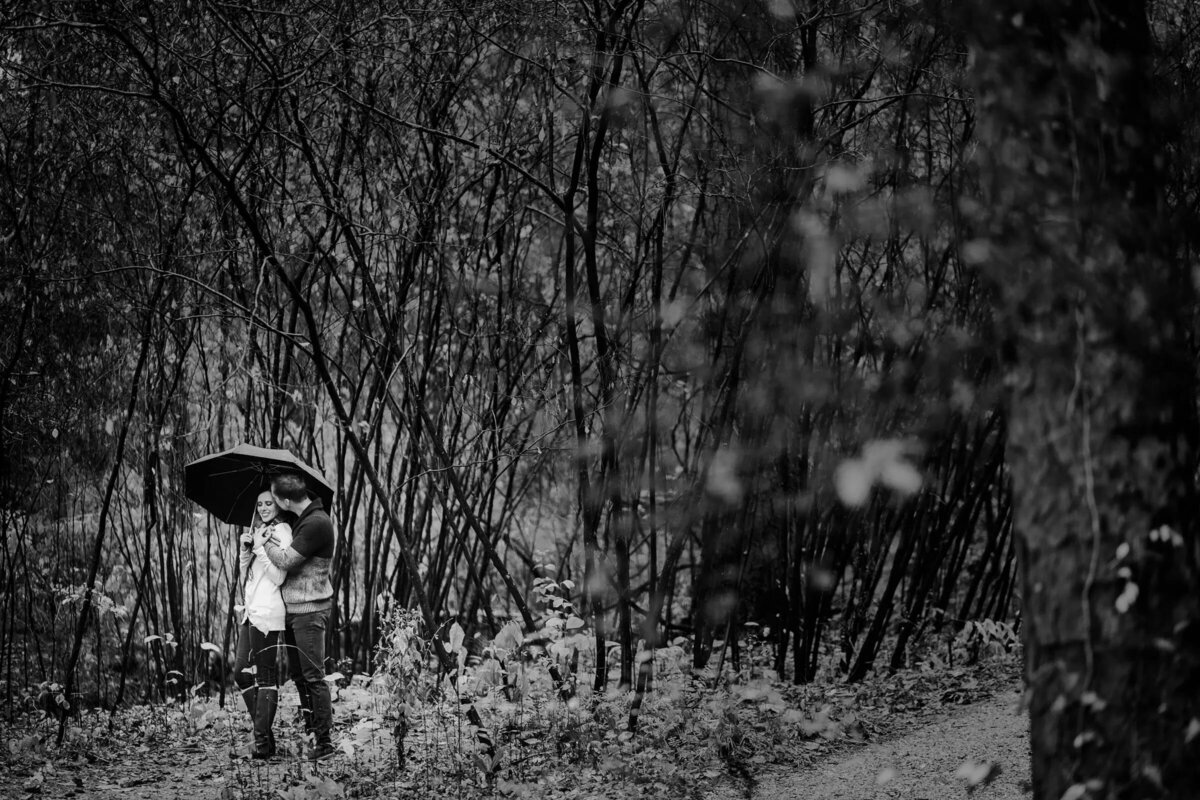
x,y
457,634
852,481
510,637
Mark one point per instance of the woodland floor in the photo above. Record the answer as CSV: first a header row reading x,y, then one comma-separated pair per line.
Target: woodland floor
x,y
984,745
916,735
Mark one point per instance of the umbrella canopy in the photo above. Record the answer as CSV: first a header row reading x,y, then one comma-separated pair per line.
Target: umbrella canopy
x,y
228,483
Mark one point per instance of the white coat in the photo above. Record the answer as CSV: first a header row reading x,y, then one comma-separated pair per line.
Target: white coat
x,y
264,607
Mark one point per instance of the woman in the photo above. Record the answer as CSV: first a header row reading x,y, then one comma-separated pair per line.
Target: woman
x,y
262,620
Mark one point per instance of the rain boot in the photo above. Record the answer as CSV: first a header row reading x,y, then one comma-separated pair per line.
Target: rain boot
x,y
264,719
250,698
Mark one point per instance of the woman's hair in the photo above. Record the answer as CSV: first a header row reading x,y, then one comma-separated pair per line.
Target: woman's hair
x,y
290,486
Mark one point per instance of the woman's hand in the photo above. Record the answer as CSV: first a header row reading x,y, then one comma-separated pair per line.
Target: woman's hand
x,y
261,535
247,540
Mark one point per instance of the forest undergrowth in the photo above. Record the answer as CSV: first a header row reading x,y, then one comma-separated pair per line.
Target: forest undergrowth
x,y
500,725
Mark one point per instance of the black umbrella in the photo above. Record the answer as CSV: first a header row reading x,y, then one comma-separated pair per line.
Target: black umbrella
x,y
228,483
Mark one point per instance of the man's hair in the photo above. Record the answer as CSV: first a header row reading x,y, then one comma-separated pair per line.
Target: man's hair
x,y
290,486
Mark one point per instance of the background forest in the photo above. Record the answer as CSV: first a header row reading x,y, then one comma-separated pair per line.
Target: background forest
x,y
670,319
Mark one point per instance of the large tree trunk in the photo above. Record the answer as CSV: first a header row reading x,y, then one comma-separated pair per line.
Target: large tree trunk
x,y
1097,306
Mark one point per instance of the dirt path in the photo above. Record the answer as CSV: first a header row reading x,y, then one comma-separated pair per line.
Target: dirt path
x,y
926,764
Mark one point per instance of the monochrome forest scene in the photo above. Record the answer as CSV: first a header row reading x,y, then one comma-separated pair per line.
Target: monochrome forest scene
x,y
763,399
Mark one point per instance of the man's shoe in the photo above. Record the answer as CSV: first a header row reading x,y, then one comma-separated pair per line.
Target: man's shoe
x,y
319,752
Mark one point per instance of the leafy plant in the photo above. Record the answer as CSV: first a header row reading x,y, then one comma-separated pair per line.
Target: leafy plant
x,y
986,637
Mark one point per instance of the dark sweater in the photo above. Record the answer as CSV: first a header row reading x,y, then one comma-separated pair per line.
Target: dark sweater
x,y
307,561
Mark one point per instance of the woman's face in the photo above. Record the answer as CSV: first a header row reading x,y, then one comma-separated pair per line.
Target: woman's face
x,y
265,506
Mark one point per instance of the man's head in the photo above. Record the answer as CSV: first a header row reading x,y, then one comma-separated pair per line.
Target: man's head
x,y
290,492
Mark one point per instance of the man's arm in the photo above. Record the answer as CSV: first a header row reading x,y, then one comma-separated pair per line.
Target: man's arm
x,y
280,537
309,538
305,542
284,558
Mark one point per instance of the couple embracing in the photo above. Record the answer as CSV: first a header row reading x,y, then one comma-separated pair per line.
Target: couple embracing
x,y
288,592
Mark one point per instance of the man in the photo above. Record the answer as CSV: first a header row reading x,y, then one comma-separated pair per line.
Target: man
x,y
308,596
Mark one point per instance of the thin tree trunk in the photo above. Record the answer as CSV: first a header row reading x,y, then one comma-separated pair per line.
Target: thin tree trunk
x,y
85,612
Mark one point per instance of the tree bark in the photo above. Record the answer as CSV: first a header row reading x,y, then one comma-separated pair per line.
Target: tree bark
x,y
1096,305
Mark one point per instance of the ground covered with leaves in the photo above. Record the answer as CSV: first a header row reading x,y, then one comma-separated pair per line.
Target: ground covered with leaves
x,y
697,738
978,751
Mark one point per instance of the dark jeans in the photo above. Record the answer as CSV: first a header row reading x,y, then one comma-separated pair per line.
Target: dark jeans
x,y
257,648
305,638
